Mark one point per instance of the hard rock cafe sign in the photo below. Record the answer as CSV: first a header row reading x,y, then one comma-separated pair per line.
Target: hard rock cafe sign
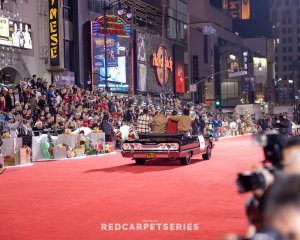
x,y
158,63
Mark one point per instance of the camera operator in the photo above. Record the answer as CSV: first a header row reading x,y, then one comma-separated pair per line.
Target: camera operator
x,y
284,124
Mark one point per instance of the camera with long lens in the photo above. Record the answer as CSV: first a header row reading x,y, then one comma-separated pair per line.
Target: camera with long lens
x,y
247,182
273,145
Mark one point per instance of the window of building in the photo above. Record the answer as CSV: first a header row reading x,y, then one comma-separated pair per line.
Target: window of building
x,y
230,90
68,55
68,10
177,19
290,40
284,49
290,30
290,49
289,21
290,58
284,58
284,40
284,30
285,68
95,6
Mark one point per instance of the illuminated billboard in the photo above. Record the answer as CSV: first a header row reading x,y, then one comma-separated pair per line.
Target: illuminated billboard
x,y
118,77
238,8
15,34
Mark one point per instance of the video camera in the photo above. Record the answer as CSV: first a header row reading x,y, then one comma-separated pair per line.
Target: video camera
x,y
273,145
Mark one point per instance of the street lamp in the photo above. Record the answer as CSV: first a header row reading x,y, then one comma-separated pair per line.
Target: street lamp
x,y
106,8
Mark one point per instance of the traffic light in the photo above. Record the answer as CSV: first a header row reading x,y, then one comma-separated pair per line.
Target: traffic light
x,y
218,103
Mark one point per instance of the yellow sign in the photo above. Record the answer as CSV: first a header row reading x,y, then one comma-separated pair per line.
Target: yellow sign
x,y
245,9
54,33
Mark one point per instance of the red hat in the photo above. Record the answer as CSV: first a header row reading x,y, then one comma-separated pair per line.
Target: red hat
x,y
81,132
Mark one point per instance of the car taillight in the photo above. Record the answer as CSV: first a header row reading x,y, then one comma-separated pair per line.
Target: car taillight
x,y
137,146
126,146
174,146
162,146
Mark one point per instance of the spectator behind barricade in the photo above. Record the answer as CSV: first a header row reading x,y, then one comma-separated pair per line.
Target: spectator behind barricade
x,y
12,127
172,126
143,122
9,100
38,128
184,121
107,128
33,81
159,122
2,103
216,124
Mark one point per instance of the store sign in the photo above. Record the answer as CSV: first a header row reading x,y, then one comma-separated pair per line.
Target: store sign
x,y
115,26
54,33
15,34
245,9
65,78
161,59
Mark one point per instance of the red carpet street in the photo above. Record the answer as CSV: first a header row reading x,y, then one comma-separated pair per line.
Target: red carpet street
x,y
112,198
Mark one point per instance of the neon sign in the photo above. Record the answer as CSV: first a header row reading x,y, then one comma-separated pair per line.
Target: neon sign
x,y
115,25
54,33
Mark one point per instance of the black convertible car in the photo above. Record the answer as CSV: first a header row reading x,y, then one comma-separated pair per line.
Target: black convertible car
x,y
167,146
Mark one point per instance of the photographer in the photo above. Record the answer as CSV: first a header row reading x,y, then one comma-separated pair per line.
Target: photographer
x,y
284,124
291,156
281,207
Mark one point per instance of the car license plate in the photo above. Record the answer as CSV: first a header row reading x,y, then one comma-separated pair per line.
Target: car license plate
x,y
151,155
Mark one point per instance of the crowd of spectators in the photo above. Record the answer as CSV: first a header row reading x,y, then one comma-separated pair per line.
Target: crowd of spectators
x,y
31,106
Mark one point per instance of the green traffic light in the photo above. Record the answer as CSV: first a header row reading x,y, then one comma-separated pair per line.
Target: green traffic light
x,y
218,103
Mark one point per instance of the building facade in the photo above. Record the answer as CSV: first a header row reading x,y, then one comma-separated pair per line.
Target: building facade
x,y
285,17
230,70
24,44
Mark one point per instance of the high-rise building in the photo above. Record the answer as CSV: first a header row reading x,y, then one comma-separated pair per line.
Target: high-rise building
x,y
285,17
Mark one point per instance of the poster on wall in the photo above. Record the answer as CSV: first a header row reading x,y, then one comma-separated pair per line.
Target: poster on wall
x,y
99,53
179,69
15,34
142,76
141,47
